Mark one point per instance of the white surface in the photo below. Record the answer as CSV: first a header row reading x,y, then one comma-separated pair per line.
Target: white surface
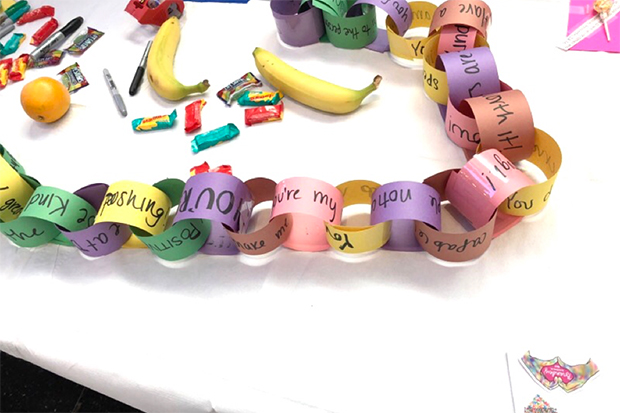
x,y
311,332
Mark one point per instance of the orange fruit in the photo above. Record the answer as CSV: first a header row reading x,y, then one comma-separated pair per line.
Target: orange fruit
x,y
45,99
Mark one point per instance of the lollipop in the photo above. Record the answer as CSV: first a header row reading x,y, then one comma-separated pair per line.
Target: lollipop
x,y
602,7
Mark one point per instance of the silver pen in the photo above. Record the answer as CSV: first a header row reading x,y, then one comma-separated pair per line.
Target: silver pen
x,y
115,94
6,29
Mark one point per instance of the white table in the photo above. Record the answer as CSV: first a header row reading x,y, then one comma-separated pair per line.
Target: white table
x,y
315,332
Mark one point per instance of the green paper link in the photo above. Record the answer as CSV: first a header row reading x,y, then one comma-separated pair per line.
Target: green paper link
x,y
336,8
26,231
59,207
181,240
352,32
29,232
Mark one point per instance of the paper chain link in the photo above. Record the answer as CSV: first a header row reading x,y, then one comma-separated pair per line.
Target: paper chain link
x,y
489,120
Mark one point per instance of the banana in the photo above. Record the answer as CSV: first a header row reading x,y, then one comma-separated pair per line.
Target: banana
x,y
307,89
159,67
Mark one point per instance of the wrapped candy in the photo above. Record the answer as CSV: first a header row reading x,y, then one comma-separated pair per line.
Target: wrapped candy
x,y
44,32
154,122
84,41
5,69
53,58
36,14
264,114
193,119
233,90
258,98
13,44
73,78
199,169
214,137
18,68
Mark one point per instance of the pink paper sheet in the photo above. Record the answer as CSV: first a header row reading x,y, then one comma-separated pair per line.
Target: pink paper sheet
x,y
582,10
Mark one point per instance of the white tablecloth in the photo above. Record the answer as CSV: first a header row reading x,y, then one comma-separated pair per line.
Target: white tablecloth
x,y
318,332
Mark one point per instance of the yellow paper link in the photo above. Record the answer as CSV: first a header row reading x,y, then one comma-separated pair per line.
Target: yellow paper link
x,y
356,240
532,199
136,204
14,192
410,48
435,80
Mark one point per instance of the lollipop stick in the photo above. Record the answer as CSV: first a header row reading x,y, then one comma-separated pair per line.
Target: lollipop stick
x,y
604,18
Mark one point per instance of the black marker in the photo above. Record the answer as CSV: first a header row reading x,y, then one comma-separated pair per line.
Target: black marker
x,y
137,78
56,39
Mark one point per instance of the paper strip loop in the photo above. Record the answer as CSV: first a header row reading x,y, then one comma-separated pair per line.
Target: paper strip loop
x,y
221,198
272,235
311,202
401,203
483,184
98,239
353,239
181,240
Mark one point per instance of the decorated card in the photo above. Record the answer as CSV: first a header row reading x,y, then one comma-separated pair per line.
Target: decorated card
x,y
585,24
562,382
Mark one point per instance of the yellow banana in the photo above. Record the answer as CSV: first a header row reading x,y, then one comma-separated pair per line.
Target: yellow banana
x,y
307,89
159,67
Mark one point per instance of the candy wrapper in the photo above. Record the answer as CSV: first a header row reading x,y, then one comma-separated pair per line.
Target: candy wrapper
x,y
18,68
51,59
84,41
214,137
264,114
13,44
44,32
72,78
154,123
36,14
234,90
193,119
5,69
258,98
200,169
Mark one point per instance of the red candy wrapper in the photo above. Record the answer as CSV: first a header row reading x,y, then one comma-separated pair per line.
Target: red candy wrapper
x,y
44,32
18,68
264,114
5,69
193,120
36,14
223,169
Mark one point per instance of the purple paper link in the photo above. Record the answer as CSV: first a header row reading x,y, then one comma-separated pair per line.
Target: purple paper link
x,y
94,194
406,200
217,197
99,239
470,73
402,236
297,29
219,242
381,43
400,12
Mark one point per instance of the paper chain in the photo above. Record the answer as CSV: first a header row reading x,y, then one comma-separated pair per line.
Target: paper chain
x,y
490,121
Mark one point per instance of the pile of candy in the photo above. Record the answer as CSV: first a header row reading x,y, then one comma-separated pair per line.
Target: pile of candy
x,y
46,39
